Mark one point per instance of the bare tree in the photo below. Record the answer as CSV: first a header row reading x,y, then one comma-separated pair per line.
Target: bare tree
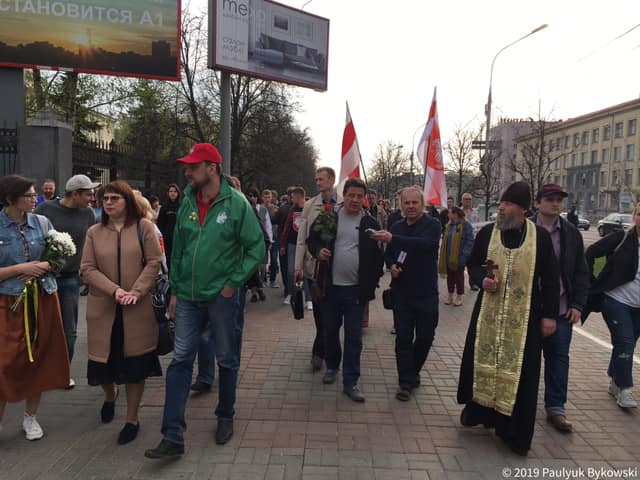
x,y
536,155
462,163
389,165
489,178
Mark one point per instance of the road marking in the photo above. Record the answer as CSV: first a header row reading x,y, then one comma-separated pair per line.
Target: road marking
x,y
595,339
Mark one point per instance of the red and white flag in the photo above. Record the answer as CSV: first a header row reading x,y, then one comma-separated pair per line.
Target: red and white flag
x,y
430,156
351,160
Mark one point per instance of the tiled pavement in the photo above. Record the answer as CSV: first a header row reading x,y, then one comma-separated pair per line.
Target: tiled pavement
x,y
289,425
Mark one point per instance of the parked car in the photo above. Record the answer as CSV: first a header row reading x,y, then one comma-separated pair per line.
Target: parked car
x,y
613,222
583,223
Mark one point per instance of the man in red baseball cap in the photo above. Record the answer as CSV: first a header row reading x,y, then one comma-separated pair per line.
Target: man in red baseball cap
x,y
217,245
202,152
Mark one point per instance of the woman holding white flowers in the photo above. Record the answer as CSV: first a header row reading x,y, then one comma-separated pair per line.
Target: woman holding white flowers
x,y
33,350
122,331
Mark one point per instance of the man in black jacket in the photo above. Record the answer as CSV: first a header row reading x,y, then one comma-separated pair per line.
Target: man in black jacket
x,y
412,256
355,267
574,285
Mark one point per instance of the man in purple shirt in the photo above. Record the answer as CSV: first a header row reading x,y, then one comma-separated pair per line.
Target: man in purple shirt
x,y
574,283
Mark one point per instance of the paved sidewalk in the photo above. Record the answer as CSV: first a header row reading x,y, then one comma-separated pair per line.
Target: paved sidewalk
x,y
291,426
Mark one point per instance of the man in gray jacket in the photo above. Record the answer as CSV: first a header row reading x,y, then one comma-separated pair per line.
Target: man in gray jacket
x,y
305,264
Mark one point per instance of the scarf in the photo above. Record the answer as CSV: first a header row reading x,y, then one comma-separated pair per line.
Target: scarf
x,y
451,261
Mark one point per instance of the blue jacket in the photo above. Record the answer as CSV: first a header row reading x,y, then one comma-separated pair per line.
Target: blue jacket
x,y
420,241
12,250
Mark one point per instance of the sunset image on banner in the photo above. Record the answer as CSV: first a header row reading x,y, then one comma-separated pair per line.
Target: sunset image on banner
x,y
137,38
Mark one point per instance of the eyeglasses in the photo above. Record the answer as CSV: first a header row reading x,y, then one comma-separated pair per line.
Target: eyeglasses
x,y
251,195
111,198
31,196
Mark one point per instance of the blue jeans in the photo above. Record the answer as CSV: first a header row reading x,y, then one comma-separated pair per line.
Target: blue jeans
x,y
192,319
274,253
69,295
342,305
556,367
207,349
624,325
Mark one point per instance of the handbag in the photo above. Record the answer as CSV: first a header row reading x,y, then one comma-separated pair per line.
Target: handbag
x,y
387,299
160,300
297,301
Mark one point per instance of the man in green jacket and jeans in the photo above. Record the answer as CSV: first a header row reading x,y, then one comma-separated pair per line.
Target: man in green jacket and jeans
x,y
217,246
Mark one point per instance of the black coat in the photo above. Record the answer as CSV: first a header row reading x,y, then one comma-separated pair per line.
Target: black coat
x,y
573,266
621,250
370,257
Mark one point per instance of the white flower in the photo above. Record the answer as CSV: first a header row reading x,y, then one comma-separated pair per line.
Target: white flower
x,y
61,242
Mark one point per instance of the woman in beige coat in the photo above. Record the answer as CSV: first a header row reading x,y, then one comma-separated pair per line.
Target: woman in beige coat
x,y
122,331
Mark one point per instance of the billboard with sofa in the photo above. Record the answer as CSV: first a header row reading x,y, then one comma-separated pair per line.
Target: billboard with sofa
x,y
139,38
268,40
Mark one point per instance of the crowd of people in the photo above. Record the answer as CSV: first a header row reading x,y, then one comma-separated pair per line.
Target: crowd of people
x,y
220,246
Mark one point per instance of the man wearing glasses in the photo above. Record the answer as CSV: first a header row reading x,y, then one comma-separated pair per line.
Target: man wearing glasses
x,y
71,214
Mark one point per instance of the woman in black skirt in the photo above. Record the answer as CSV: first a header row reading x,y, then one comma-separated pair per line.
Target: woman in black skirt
x,y
122,331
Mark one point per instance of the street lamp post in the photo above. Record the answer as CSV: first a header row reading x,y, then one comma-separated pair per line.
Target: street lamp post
x,y
488,106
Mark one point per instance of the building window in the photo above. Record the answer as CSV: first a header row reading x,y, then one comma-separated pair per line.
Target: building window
x,y
595,135
556,179
617,154
604,181
638,177
583,158
576,139
606,132
566,142
628,177
601,200
614,178
564,181
573,159
605,155
558,143
557,164
618,131
631,127
631,152
585,138
594,157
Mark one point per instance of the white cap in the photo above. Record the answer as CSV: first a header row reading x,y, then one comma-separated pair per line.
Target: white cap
x,y
79,182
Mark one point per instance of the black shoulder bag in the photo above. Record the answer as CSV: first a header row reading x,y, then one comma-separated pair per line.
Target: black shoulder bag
x,y
160,300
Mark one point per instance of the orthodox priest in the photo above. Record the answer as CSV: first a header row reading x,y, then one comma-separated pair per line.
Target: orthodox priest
x,y
514,261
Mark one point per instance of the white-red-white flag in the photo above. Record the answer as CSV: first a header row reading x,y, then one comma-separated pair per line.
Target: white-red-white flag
x,y
351,160
430,157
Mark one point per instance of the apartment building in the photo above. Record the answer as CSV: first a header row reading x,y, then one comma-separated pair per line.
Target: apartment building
x,y
595,157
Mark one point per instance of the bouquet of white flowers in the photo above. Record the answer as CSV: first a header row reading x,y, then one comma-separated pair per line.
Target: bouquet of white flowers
x,y
59,245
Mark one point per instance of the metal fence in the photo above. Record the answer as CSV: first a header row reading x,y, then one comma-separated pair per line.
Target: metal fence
x,y
104,162
8,150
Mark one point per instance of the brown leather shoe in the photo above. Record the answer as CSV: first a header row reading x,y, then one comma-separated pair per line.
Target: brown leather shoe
x,y
560,423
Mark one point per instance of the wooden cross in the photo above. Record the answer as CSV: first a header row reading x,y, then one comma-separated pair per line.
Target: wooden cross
x,y
490,266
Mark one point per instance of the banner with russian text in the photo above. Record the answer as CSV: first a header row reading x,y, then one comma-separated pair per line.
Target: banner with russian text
x,y
138,38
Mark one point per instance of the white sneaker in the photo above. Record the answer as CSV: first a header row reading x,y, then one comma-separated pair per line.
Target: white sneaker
x,y
274,284
309,305
287,300
72,384
613,389
624,399
31,427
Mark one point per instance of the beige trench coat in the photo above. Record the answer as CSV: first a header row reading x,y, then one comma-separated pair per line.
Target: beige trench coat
x,y
99,267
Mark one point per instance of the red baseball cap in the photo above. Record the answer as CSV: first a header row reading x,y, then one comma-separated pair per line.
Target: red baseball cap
x,y
202,152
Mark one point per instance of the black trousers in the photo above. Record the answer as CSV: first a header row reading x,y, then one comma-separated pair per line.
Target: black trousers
x,y
415,320
318,343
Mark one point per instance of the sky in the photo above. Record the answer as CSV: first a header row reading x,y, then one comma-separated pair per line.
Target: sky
x,y
386,57
28,21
